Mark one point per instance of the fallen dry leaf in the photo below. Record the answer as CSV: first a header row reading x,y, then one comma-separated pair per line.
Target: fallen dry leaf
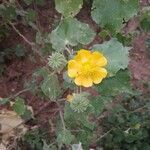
x,y
2,147
10,123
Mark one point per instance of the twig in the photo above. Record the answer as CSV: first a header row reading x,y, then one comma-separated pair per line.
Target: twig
x,y
138,109
78,130
61,100
80,88
61,116
62,119
68,50
19,5
104,135
21,35
33,45
50,145
17,94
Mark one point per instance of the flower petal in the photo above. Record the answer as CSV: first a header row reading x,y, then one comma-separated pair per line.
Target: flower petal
x,y
97,80
73,68
83,81
103,72
98,59
98,75
84,52
78,80
83,56
72,64
87,82
72,73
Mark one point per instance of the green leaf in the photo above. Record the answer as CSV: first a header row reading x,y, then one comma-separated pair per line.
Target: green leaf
x,y
85,137
51,87
99,103
71,32
4,31
116,54
20,51
68,8
110,13
39,38
68,82
74,120
104,34
34,138
124,39
65,137
4,101
69,116
30,16
40,2
19,106
86,123
28,2
8,13
43,72
21,109
145,21
148,105
115,85
27,114
86,34
47,49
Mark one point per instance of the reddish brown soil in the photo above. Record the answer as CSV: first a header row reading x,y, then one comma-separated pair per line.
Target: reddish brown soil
x,y
20,70
140,61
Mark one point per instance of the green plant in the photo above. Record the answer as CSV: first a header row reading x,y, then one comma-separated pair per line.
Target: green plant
x,y
103,68
34,138
127,126
144,20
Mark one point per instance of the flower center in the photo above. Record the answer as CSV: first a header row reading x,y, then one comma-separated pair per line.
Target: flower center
x,y
86,69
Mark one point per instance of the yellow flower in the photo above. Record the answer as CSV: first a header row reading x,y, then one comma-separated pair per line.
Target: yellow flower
x,y
69,98
87,68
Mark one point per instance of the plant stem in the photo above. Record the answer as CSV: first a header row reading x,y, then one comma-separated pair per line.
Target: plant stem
x,y
62,119
33,45
21,35
104,135
80,87
17,94
68,50
61,116
138,109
